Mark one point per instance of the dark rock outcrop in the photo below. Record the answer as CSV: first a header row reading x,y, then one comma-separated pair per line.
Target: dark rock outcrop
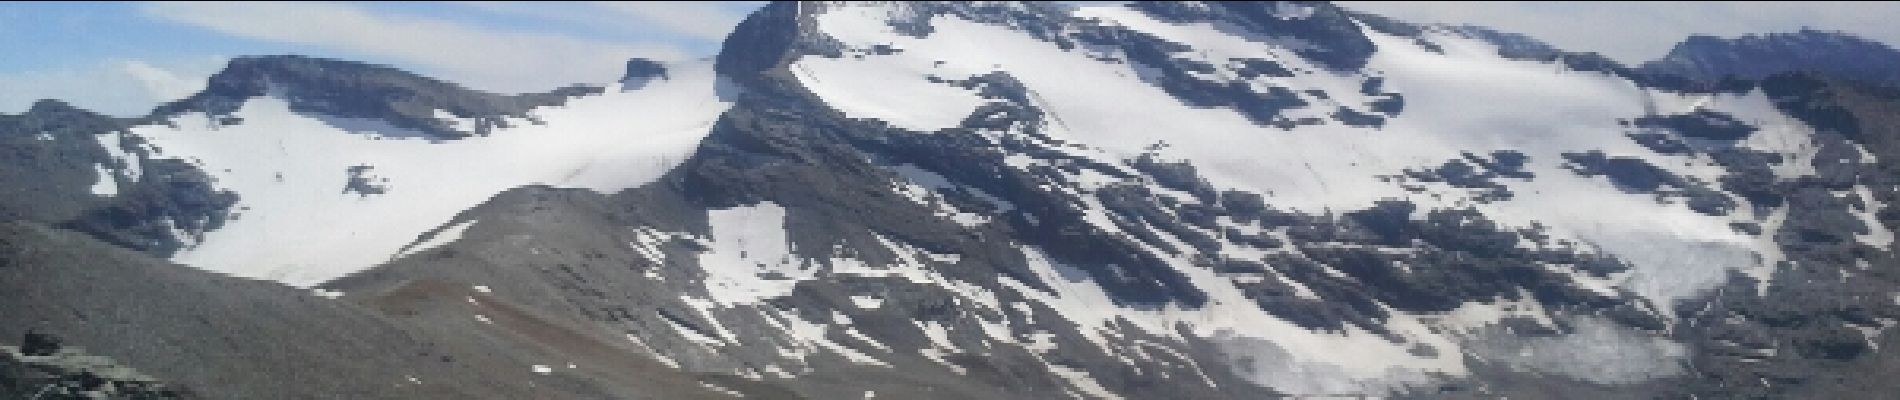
x,y
1754,57
349,89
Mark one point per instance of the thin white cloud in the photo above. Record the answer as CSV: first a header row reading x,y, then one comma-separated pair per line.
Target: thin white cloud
x,y
705,20
162,83
114,87
1633,32
583,15
479,57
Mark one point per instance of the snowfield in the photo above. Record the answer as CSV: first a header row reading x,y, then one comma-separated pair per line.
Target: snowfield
x,y
298,225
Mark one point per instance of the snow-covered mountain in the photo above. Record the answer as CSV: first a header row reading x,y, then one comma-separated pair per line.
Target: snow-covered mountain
x,y
996,200
334,178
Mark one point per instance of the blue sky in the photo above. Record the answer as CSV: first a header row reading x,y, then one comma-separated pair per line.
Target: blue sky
x,y
124,58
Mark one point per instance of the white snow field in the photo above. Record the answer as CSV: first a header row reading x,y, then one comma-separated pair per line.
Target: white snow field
x,y
298,226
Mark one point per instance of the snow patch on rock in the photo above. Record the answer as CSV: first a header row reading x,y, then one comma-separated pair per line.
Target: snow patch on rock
x,y
750,258
894,88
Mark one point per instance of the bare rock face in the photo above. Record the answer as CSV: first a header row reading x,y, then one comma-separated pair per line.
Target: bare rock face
x,y
1754,57
351,89
640,70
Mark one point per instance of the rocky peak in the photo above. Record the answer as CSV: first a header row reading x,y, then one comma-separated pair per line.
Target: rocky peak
x,y
762,41
360,90
54,107
1758,56
645,69
56,118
